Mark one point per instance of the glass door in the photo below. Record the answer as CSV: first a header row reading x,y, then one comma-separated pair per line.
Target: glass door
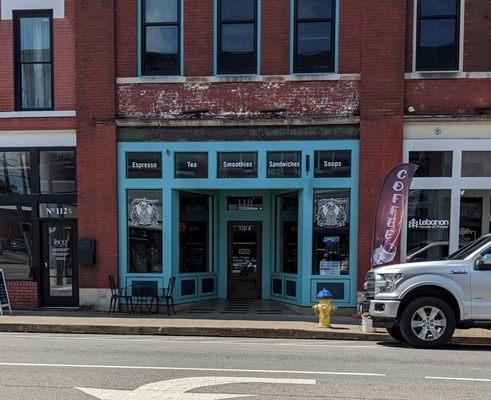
x,y
59,267
244,259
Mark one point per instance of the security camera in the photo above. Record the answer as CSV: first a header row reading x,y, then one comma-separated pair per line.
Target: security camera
x,y
411,109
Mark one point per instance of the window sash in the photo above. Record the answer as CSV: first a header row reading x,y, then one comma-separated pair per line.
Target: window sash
x,y
22,100
221,23
145,25
328,21
456,18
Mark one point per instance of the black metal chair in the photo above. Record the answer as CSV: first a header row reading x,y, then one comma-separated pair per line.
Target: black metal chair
x,y
116,295
167,295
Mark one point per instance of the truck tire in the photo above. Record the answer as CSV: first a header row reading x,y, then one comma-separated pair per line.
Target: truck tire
x,y
427,323
395,332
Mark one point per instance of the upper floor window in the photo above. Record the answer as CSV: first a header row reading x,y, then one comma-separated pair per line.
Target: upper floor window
x,y
237,37
161,37
314,36
33,60
438,32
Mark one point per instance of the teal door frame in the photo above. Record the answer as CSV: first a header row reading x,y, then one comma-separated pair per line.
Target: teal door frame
x,y
305,184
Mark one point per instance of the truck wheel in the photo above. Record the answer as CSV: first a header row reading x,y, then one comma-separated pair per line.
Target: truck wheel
x,y
395,332
427,323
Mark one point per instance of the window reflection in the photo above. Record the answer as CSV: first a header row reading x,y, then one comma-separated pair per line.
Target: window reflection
x,y
16,242
195,232
287,233
15,168
57,171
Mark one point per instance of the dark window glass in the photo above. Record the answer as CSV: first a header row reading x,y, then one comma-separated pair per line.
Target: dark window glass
x,y
332,164
237,165
15,169
476,163
331,232
314,36
285,164
438,35
161,37
144,165
432,163
191,165
57,172
195,238
471,217
34,64
287,233
16,257
237,37
145,231
428,225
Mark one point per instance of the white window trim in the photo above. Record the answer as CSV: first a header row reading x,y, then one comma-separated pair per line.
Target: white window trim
x,y
63,138
461,43
455,183
38,114
8,6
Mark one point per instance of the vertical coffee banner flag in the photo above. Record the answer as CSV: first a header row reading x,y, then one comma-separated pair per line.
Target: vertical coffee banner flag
x,y
391,206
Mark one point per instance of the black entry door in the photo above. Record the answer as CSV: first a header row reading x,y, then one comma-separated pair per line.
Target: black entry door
x,y
244,259
59,264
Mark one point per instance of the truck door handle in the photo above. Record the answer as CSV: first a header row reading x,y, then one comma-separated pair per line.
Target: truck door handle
x,y
459,272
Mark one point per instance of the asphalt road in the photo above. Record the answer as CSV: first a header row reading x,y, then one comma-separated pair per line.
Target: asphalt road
x,y
52,367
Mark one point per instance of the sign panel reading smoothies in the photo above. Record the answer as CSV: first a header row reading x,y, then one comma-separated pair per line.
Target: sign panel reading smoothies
x,y
391,206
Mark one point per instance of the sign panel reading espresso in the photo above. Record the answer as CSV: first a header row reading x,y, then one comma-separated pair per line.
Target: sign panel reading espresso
x,y
332,164
144,165
237,165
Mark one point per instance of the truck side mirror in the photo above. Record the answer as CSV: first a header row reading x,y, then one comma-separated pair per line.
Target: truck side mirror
x,y
483,263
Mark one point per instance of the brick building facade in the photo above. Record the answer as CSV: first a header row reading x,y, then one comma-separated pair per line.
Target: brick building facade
x,y
367,84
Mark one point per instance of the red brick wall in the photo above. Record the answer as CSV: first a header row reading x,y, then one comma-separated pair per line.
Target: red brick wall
x,y
126,38
448,97
477,31
96,138
198,37
382,104
63,67
238,99
275,37
349,37
23,295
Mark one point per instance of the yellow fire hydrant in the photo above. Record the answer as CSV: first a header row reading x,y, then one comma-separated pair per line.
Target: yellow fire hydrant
x,y
324,309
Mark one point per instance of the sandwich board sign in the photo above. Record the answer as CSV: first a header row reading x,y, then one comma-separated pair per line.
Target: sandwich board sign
x,y
4,294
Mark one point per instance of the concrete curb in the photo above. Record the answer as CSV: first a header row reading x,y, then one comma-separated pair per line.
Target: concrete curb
x,y
267,333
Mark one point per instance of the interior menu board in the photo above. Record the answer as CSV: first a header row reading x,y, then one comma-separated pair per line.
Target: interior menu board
x,y
193,246
4,295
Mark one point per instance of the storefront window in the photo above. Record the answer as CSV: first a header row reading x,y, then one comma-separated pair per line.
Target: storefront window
x,y
144,165
287,233
332,164
15,168
145,231
472,224
57,172
237,165
331,232
284,164
432,163
16,242
195,237
428,225
476,163
191,165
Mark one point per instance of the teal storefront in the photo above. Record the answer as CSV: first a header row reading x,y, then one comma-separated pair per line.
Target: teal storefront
x,y
240,219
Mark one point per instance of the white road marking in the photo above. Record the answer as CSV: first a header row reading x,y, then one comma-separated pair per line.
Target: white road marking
x,y
446,378
152,368
176,389
189,341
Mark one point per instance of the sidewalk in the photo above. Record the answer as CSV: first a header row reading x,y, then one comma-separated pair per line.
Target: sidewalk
x,y
343,328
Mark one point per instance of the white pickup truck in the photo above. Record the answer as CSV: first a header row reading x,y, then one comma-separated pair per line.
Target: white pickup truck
x,y
422,303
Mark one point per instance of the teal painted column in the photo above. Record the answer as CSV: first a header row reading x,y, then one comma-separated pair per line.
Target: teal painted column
x,y
305,235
